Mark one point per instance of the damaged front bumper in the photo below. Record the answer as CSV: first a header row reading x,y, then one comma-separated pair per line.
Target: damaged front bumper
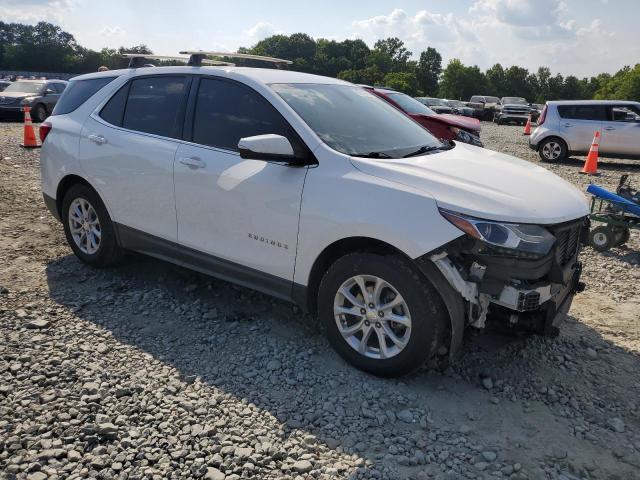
x,y
527,294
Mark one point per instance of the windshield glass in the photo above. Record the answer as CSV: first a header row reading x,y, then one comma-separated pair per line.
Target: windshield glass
x,y
25,87
410,104
516,100
355,122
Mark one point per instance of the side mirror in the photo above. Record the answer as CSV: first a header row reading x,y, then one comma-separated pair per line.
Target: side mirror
x,y
270,148
49,91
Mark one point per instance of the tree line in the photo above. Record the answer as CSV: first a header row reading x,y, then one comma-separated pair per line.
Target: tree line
x,y
46,47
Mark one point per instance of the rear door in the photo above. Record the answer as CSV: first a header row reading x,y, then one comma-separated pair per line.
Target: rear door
x,y
127,150
578,124
622,130
242,212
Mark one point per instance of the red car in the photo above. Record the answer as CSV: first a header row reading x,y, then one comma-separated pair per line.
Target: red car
x,y
443,126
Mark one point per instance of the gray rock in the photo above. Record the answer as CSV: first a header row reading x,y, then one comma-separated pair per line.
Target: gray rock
x,y
616,424
214,474
489,456
591,353
302,466
37,324
405,416
487,383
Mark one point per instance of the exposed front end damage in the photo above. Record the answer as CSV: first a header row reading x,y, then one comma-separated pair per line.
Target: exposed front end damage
x,y
513,291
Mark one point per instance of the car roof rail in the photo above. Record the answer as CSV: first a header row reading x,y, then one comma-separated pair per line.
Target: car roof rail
x,y
140,60
198,57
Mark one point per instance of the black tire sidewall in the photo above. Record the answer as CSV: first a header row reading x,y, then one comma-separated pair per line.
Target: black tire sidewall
x,y
610,238
108,250
37,116
428,313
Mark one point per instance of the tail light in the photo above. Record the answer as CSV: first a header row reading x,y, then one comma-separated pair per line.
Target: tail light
x,y
45,128
543,115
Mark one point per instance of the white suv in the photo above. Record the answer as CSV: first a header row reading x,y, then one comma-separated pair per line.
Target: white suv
x,y
313,190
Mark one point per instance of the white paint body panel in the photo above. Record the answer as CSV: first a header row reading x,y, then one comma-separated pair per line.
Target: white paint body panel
x,y
216,207
244,211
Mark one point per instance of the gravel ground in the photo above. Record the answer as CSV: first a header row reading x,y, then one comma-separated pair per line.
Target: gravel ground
x,y
147,370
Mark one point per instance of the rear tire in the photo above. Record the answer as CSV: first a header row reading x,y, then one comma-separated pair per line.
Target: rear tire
x,y
601,238
88,227
39,113
358,327
552,149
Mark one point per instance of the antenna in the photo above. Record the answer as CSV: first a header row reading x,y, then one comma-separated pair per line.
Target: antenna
x,y
198,57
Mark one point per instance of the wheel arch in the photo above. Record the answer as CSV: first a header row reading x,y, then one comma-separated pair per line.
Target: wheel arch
x,y
307,297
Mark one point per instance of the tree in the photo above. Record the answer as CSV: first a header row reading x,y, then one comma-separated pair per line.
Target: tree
x,y
624,85
518,83
461,82
394,48
496,81
428,71
403,82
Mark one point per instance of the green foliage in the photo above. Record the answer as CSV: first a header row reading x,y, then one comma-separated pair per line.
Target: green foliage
x,y
624,85
46,47
428,71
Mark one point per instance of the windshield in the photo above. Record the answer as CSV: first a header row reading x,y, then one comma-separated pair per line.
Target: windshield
x,y
410,104
355,122
455,103
516,100
25,87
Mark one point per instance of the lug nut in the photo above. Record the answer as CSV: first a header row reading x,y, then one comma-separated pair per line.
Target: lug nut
x,y
378,325
366,322
363,311
381,314
371,305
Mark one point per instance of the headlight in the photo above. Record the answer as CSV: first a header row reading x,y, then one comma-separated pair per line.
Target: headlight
x,y
529,241
466,137
25,101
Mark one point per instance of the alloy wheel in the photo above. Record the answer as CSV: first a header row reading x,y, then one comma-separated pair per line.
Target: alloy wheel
x,y
551,150
84,226
372,316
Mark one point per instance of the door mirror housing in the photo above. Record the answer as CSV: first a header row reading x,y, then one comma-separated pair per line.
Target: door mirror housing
x,y
270,148
49,91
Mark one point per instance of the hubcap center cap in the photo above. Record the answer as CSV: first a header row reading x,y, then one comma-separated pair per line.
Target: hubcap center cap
x,y
372,315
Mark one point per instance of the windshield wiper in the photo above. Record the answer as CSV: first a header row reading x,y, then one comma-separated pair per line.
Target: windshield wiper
x,y
426,149
372,155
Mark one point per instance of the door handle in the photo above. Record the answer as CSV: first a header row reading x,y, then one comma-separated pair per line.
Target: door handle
x,y
98,139
567,125
609,128
192,162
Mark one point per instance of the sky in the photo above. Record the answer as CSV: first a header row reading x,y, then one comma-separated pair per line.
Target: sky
x,y
578,37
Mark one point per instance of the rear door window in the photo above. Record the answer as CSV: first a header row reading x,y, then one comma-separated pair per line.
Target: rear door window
x,y
113,111
78,92
156,105
624,113
583,112
225,112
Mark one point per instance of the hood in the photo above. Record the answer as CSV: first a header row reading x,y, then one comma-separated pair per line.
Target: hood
x,y
17,94
465,123
485,184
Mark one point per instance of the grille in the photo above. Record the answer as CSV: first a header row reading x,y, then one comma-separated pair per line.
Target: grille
x,y
6,100
518,110
528,301
567,242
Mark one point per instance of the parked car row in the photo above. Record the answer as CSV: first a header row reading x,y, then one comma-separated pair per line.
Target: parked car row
x,y
40,95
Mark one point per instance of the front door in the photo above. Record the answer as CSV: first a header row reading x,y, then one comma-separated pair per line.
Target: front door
x,y
579,123
243,213
622,131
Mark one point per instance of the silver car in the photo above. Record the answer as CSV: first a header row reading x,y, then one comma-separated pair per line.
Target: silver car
x,y
568,127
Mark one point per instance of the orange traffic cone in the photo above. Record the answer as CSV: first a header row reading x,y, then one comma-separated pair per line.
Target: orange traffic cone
x,y
527,127
591,164
29,134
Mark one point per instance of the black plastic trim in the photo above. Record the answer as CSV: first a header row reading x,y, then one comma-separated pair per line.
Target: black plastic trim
x,y
142,242
52,206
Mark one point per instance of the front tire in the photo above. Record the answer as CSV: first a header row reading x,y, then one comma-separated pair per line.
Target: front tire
x,y
552,149
88,227
380,313
602,238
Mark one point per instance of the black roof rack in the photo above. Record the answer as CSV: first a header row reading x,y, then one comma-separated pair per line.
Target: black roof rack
x,y
198,57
